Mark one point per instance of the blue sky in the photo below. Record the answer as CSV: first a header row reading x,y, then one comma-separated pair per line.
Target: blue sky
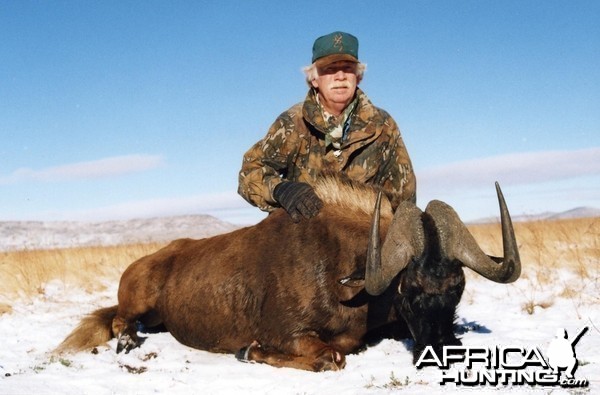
x,y
122,109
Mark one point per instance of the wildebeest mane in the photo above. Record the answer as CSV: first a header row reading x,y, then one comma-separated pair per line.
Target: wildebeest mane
x,y
350,196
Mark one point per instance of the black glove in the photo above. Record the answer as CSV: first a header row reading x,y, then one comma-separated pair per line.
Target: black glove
x,y
298,199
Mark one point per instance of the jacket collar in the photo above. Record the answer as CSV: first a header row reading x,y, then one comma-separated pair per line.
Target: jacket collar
x,y
360,118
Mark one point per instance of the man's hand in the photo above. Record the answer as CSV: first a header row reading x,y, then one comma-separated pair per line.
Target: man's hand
x,y
298,199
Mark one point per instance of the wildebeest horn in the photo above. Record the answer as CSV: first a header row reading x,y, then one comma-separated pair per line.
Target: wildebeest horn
x,y
457,243
404,240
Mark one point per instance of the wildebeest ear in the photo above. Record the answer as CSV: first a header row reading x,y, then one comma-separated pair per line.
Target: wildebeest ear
x,y
352,282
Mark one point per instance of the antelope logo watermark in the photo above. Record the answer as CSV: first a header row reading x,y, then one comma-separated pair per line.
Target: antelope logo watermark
x,y
512,365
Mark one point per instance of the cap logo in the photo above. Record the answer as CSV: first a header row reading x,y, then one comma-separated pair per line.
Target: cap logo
x,y
337,42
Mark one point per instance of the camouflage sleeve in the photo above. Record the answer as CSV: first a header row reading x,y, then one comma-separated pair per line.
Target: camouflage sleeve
x,y
397,172
265,163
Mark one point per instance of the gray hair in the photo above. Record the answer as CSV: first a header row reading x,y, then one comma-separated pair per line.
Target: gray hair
x,y
311,72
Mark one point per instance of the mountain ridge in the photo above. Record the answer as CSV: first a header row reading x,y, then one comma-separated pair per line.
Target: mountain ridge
x,y
23,235
574,213
30,235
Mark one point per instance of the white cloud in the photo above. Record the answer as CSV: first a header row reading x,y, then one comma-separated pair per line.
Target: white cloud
x,y
532,182
512,169
106,167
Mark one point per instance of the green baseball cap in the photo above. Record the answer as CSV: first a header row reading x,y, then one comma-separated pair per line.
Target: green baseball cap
x,y
334,47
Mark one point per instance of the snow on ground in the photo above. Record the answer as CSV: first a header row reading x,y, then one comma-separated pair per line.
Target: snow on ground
x,y
491,314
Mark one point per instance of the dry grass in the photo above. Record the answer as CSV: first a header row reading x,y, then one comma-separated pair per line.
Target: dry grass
x,y
24,273
571,243
562,254
546,248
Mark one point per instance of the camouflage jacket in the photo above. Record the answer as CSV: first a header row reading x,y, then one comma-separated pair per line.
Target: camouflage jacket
x,y
294,149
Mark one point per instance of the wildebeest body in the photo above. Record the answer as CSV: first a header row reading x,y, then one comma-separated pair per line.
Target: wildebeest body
x,y
304,294
276,281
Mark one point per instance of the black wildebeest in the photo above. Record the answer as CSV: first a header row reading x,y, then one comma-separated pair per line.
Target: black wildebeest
x,y
305,294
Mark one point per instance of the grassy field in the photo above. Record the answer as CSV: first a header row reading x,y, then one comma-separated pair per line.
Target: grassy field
x,y
545,246
23,274
562,256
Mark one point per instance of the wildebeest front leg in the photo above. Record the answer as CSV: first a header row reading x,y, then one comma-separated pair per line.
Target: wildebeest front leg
x,y
306,352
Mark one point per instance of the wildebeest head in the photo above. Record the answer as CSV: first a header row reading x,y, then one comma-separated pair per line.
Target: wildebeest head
x,y
428,250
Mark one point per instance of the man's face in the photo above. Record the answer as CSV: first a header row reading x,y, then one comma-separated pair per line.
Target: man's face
x,y
336,83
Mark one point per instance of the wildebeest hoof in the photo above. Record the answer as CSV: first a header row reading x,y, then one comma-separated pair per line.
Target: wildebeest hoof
x,y
244,353
125,343
330,360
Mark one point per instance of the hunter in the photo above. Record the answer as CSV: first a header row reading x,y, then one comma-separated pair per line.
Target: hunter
x,y
335,130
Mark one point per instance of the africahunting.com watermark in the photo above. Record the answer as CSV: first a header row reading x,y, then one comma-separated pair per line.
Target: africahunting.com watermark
x,y
511,365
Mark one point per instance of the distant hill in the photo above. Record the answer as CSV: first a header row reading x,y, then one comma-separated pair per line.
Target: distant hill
x,y
578,212
20,235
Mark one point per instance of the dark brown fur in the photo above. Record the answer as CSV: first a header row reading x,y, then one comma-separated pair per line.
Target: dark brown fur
x,y
273,286
272,292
